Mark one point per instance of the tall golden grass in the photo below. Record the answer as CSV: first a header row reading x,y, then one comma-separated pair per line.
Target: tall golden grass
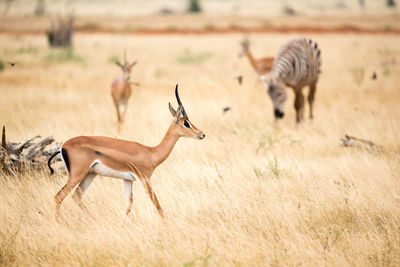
x,y
252,193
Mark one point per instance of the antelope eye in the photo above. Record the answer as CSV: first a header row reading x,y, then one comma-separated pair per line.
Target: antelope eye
x,y
186,123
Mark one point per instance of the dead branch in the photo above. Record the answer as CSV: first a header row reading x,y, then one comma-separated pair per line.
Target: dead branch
x,y
351,141
19,147
32,149
19,157
3,138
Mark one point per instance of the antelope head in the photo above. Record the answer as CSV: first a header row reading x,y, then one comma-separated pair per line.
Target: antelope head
x,y
126,67
183,126
245,47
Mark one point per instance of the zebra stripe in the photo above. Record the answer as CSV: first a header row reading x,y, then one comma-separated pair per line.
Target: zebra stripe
x,y
297,65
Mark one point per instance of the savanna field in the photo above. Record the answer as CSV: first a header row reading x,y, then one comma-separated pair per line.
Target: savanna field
x,y
253,192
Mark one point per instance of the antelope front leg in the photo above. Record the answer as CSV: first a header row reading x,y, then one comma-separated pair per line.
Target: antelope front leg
x,y
153,196
128,196
117,109
124,108
299,106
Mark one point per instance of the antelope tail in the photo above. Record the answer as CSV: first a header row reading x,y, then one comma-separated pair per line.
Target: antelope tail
x,y
49,161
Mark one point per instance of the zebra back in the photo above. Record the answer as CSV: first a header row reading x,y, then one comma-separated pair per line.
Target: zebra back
x,y
298,63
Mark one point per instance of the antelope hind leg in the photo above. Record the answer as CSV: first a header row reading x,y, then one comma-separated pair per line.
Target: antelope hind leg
x,y
73,180
81,189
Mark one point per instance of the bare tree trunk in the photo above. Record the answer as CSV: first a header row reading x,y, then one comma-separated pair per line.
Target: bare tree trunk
x,y
40,8
61,34
7,7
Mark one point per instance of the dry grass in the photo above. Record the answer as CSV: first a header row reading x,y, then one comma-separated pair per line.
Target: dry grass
x,y
252,193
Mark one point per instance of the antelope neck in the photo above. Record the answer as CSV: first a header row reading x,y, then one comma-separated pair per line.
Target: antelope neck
x,y
162,150
252,60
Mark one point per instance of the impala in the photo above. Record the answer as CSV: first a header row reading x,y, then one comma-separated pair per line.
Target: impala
x,y
121,89
262,65
88,156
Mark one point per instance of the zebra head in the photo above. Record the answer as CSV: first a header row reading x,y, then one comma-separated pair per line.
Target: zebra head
x,y
277,93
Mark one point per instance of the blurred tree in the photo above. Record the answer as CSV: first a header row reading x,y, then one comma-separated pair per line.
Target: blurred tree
x,y
40,8
60,34
8,5
391,3
194,6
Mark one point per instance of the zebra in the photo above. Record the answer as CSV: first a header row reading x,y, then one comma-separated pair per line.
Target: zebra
x,y
297,65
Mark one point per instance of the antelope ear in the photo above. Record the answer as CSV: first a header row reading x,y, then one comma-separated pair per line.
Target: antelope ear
x,y
172,110
119,64
133,64
174,113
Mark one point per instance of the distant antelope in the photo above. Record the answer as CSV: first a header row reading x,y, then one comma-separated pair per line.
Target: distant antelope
x,y
297,65
121,89
262,65
88,156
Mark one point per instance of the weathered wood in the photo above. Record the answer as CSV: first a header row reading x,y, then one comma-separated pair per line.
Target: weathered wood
x,y
31,148
351,141
25,144
3,138
17,157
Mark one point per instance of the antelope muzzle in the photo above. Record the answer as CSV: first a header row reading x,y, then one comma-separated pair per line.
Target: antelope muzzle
x,y
278,114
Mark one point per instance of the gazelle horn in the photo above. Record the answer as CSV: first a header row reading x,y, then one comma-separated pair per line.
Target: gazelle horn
x,y
179,102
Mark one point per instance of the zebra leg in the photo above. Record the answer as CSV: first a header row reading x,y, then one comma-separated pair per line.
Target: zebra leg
x,y
311,94
299,105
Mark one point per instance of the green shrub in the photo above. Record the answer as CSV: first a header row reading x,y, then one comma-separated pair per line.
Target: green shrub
x,y
194,6
63,55
113,58
29,49
90,26
189,57
391,3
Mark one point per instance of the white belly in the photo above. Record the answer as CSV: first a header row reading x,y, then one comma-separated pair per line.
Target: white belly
x,y
262,77
101,169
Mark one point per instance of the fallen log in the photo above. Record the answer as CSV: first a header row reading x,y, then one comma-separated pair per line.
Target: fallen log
x,y
351,141
19,157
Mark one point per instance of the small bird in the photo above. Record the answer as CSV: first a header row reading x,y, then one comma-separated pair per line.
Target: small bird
x,y
12,64
374,76
240,79
226,109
